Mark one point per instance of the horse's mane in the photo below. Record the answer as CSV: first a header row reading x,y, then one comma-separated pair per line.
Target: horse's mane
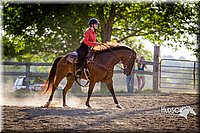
x,y
105,47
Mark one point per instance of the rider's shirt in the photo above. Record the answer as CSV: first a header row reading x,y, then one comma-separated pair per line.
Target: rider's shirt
x,y
90,37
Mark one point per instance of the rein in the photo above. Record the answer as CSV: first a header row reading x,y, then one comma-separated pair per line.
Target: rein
x,y
116,55
120,58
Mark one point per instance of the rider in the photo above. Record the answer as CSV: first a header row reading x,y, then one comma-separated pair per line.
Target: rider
x,y
88,41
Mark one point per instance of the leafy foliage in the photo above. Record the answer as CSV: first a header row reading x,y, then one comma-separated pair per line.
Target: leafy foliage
x,y
41,32
51,30
172,22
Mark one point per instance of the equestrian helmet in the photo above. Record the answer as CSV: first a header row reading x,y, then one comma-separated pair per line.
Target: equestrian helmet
x,y
93,21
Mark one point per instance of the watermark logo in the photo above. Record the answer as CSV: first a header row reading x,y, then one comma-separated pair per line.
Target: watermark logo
x,y
181,111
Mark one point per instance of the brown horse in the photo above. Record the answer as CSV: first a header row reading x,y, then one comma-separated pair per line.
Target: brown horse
x,y
101,69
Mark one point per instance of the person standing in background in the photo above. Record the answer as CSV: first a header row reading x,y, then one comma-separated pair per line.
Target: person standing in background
x,y
130,82
140,74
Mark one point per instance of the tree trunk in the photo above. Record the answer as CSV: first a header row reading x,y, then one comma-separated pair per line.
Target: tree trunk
x,y
106,22
106,29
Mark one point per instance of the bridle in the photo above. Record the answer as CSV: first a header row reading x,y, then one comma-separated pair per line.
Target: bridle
x,y
125,66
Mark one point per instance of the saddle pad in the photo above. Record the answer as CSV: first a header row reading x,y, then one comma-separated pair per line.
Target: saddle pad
x,y
74,54
72,57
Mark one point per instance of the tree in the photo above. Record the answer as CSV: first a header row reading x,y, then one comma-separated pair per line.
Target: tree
x,y
174,23
49,32
52,31
157,23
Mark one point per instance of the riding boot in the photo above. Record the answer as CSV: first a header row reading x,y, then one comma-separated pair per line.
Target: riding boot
x,y
82,53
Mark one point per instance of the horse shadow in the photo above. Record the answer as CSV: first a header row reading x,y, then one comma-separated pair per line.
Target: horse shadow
x,y
107,114
37,112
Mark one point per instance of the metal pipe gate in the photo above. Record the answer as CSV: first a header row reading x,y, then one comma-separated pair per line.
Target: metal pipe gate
x,y
179,74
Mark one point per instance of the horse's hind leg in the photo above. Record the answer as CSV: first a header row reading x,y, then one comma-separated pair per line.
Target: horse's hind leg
x,y
110,88
51,97
70,81
55,85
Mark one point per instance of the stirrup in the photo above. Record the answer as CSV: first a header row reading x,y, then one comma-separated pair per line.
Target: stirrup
x,y
87,74
76,73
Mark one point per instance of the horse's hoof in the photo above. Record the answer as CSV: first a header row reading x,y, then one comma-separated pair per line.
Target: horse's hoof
x,y
119,106
66,106
89,107
46,105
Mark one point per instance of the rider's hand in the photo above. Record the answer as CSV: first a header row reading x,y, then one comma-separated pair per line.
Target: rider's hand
x,y
98,43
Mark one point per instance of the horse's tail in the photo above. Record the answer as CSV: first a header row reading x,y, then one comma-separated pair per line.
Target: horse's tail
x,y
52,74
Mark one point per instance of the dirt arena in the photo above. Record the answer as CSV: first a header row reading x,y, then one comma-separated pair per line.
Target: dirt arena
x,y
140,113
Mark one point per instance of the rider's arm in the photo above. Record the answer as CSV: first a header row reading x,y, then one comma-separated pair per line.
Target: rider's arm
x,y
90,38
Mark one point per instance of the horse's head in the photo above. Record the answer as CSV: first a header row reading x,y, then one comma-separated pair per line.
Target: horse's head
x,y
192,111
128,62
185,111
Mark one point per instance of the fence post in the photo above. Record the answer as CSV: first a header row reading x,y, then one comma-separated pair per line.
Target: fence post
x,y
28,68
194,75
155,67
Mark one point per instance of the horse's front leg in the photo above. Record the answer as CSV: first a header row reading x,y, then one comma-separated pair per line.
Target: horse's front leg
x,y
91,87
109,84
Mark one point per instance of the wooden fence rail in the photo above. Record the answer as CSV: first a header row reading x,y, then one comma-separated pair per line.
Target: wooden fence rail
x,y
33,74
27,65
28,72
